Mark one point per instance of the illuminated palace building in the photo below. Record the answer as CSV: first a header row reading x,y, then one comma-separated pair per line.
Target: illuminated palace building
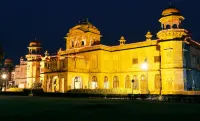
x,y
169,64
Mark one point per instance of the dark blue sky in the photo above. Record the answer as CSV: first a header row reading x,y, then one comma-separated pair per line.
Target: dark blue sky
x,y
49,20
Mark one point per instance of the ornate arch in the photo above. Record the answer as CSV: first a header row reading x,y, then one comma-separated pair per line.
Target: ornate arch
x,y
55,84
127,82
77,82
93,83
143,82
115,82
136,83
106,86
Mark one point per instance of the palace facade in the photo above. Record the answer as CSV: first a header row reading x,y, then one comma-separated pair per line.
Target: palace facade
x,y
169,64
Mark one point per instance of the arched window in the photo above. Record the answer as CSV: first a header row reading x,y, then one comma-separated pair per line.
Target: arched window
x,y
55,85
157,82
82,43
33,51
168,26
127,82
77,83
136,83
143,84
115,82
106,82
94,82
77,44
72,43
163,26
174,26
49,85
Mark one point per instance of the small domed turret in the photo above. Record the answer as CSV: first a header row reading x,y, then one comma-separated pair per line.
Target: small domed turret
x,y
170,11
34,43
8,61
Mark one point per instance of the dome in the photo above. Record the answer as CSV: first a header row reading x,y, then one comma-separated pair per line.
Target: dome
x,y
34,43
170,11
86,26
8,61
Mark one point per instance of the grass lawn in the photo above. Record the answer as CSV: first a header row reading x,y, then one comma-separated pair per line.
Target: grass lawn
x,y
64,109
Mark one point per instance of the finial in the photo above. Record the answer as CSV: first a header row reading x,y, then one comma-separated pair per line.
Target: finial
x,y
148,35
46,53
122,38
170,3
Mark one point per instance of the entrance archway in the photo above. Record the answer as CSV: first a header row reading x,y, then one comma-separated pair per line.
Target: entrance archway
x,y
143,83
77,82
94,82
106,82
127,82
49,85
115,82
55,84
136,83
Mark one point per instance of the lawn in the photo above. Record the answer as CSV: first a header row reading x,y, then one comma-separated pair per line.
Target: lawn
x,y
64,109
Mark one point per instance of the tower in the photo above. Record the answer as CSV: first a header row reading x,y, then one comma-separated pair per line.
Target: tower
x,y
82,35
171,42
122,40
33,63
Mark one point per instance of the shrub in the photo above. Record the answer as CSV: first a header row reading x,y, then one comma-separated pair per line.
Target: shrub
x,y
15,90
103,91
37,85
36,91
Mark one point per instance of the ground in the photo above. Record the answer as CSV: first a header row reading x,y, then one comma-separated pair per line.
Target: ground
x,y
64,109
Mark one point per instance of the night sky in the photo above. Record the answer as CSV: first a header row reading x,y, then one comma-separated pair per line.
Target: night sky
x,y
49,20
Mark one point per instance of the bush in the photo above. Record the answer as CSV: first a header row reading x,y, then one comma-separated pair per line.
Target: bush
x,y
37,85
13,93
33,91
14,90
103,91
182,98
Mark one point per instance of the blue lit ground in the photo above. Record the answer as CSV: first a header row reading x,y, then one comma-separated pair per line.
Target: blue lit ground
x,y
63,109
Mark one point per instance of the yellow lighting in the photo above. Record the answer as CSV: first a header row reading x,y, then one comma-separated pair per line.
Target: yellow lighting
x,y
4,76
144,66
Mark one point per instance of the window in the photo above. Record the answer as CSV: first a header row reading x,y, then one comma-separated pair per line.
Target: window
x,y
136,83
157,59
106,82
158,47
72,43
135,61
94,82
83,43
127,82
116,82
143,83
168,27
174,26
